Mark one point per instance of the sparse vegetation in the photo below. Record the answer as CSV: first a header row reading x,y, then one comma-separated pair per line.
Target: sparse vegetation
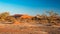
x,y
52,18
48,22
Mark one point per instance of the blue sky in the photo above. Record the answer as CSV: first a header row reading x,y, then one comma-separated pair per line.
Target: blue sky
x,y
31,7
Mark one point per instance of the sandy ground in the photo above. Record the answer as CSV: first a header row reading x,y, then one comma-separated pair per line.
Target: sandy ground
x,y
27,29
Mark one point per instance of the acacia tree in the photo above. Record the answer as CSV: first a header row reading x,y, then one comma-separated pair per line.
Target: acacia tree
x,y
4,15
51,17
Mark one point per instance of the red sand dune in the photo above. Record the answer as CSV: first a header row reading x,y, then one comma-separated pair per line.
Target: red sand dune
x,y
26,16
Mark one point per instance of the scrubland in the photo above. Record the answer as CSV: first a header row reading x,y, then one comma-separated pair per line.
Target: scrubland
x,y
26,24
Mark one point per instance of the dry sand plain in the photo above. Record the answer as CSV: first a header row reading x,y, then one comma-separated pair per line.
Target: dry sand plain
x,y
28,29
